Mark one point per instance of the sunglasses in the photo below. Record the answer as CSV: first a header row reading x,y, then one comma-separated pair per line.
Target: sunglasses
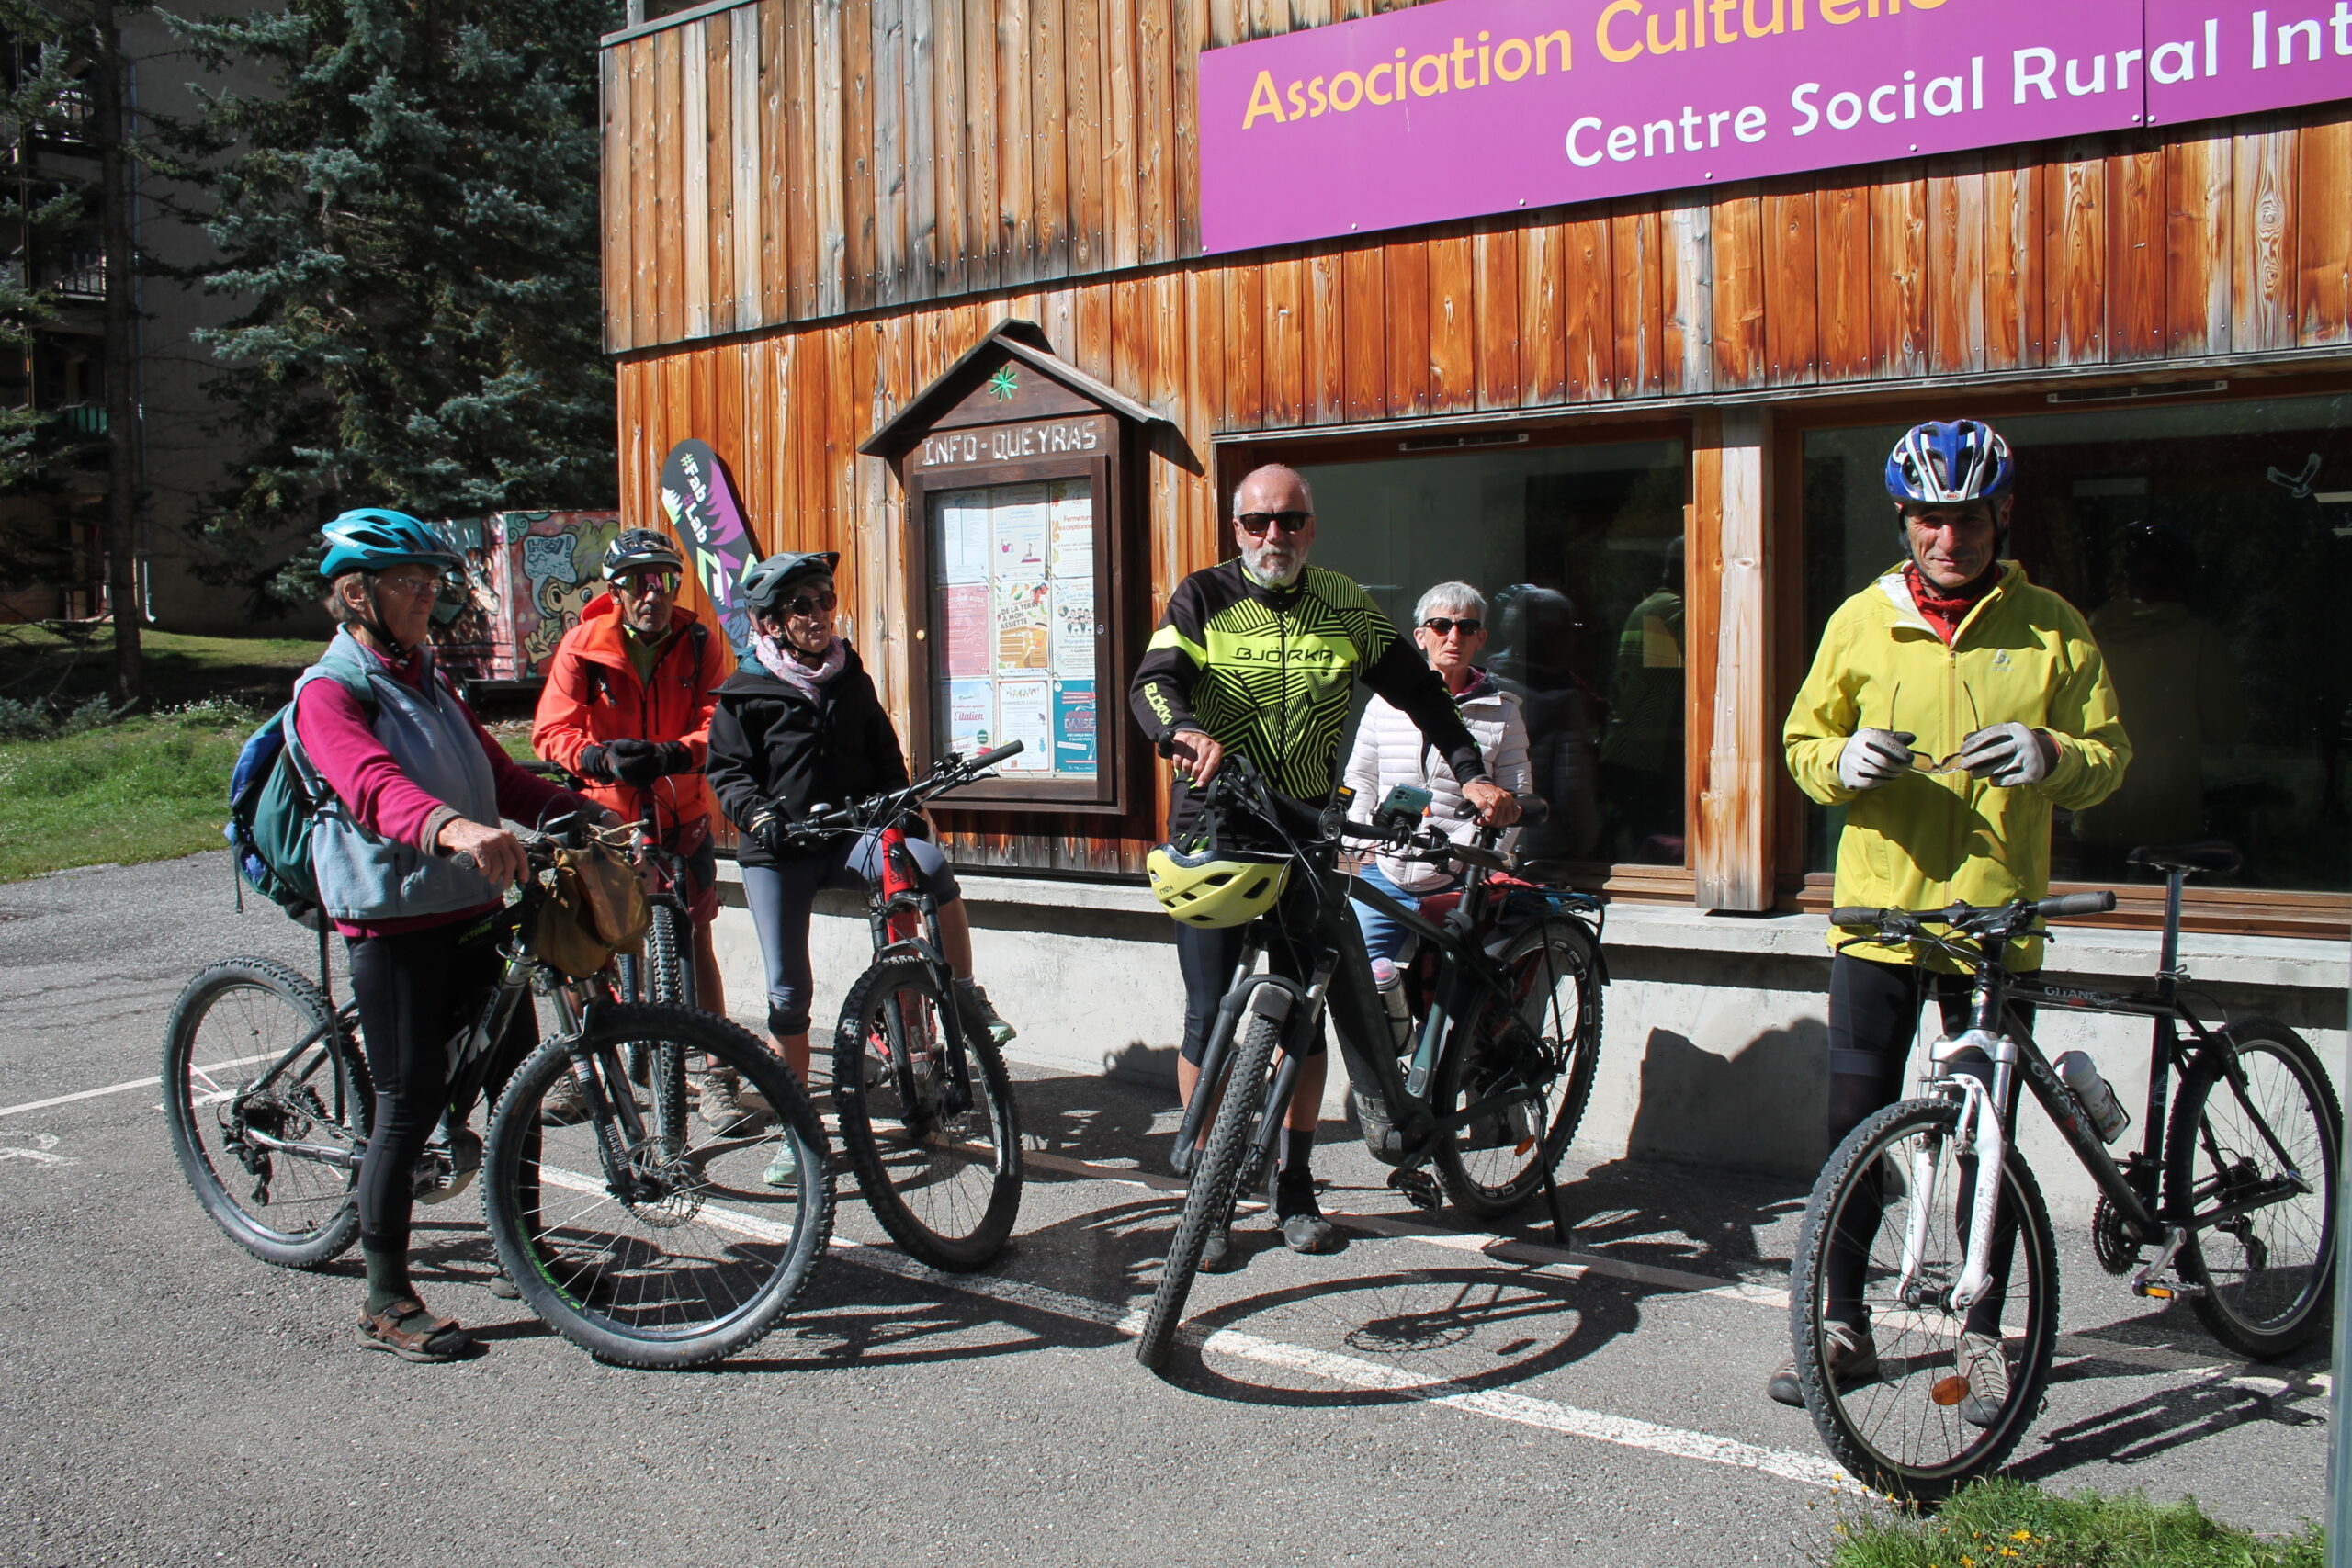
x,y
1443,625
1255,523
415,588
1923,764
811,603
643,582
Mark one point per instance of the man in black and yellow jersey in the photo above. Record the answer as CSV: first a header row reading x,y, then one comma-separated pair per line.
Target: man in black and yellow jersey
x,y
1259,654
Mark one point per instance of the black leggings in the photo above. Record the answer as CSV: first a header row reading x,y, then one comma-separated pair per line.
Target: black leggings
x,y
1873,1018
1207,955
415,990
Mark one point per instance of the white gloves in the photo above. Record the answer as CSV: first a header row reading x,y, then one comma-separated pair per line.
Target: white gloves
x,y
2012,755
1874,757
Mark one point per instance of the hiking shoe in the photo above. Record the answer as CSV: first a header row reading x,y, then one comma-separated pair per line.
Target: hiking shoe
x,y
723,1110
784,1169
504,1289
1309,1231
564,1103
1218,1256
1853,1360
980,1017
1985,1364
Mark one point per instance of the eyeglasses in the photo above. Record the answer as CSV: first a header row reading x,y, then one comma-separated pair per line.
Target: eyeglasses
x,y
415,588
1255,523
1922,763
1443,625
811,603
636,583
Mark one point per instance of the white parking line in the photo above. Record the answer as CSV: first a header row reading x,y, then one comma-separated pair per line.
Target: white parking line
x,y
124,1087
1348,1372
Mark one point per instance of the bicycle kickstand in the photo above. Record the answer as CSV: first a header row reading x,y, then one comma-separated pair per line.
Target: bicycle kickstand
x,y
1562,1231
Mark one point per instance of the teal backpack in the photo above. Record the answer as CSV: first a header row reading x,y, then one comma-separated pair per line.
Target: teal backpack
x,y
271,815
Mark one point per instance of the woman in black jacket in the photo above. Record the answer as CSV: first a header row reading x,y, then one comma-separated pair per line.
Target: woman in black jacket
x,y
803,729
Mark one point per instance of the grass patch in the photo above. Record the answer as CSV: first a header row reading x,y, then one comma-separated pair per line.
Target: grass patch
x,y
36,664
2008,1524
145,789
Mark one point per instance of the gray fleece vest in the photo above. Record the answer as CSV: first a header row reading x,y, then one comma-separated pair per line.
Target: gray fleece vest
x,y
363,878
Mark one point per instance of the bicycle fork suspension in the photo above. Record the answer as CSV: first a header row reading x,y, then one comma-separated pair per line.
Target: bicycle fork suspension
x,y
1980,1130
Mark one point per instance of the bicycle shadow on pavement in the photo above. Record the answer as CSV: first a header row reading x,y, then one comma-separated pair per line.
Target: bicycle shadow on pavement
x,y
2173,1418
854,1316
1673,1216
1091,1118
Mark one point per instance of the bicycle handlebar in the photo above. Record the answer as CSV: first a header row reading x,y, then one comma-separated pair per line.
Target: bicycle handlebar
x,y
1908,922
950,771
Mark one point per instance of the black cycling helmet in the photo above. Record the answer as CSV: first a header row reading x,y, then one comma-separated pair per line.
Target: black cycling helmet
x,y
634,548
766,582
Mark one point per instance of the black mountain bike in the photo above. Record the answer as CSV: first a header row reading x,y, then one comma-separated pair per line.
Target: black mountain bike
x,y
925,1103
2229,1198
1488,1091
629,1239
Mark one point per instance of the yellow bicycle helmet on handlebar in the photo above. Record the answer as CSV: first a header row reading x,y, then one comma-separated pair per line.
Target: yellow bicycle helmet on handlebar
x,y
1209,886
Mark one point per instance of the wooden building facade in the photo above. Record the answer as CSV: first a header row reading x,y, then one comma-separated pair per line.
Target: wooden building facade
x,y
813,207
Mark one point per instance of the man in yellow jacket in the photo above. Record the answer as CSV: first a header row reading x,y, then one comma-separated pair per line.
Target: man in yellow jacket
x,y
1952,705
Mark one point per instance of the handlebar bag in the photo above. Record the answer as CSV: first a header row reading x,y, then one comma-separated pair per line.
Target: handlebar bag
x,y
597,907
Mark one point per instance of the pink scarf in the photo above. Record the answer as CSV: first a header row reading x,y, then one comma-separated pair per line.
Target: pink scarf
x,y
779,662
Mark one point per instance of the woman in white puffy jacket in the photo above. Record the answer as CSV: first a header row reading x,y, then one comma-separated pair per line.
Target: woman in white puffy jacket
x,y
1450,625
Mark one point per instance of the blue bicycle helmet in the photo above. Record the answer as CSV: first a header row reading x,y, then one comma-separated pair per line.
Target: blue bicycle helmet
x,y
369,538
1938,464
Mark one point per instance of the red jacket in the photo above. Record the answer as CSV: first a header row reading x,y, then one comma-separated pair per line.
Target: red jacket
x,y
593,696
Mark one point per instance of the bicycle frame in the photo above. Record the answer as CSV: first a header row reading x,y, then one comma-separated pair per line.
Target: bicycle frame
x,y
905,920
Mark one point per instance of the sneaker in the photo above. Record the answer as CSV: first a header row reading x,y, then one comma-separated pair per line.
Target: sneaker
x,y
972,1000
564,1104
1218,1256
1985,1363
783,1169
723,1110
1300,1218
504,1289
1852,1356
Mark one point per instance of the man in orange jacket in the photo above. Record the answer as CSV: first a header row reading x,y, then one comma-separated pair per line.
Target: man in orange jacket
x,y
628,706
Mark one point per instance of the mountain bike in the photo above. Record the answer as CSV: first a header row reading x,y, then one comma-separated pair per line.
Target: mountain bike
x,y
1487,1091
925,1104
2232,1187
630,1240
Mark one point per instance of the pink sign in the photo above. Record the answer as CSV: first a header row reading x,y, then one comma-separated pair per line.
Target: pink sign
x,y
1464,107
2207,60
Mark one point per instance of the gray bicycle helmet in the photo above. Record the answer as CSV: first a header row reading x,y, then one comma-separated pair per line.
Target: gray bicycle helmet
x,y
766,582
637,548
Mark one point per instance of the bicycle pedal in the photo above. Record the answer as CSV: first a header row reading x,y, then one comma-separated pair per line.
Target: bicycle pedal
x,y
2166,1289
1419,1187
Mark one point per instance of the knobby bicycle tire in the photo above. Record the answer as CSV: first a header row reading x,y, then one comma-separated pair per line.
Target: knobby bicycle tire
x,y
1459,1073
1840,1415
955,1233
2248,1296
1208,1202
206,1116
703,1265
668,968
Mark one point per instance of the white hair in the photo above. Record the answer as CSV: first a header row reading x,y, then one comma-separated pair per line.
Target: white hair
x,y
1451,599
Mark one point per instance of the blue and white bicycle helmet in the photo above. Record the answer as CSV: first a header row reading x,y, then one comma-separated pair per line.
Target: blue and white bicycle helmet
x,y
1938,464
369,538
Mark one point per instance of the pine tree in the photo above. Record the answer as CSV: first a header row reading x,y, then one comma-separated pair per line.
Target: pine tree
x,y
411,221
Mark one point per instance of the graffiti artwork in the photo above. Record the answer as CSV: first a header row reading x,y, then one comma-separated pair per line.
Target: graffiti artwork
x,y
549,561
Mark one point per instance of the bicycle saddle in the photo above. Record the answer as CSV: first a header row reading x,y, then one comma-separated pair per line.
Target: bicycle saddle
x,y
2212,855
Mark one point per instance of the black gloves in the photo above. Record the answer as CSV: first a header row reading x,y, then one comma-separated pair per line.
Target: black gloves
x,y
638,763
593,765
766,826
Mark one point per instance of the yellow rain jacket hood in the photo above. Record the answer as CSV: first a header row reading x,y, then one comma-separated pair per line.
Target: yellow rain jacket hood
x,y
1925,841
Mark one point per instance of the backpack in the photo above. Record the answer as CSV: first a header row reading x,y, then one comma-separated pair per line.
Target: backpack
x,y
271,814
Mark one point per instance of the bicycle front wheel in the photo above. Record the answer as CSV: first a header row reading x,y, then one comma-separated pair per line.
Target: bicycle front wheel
x,y
2250,1170
1217,1176
1938,1395
669,973
276,1163
644,1248
1539,1059
940,1165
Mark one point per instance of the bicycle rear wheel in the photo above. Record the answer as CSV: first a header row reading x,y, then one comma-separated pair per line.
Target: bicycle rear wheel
x,y
1903,1430
1217,1176
644,1249
2264,1271
274,1166
1495,1164
946,1182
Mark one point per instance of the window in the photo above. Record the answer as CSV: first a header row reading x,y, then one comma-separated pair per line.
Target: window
x,y
1578,550
2210,546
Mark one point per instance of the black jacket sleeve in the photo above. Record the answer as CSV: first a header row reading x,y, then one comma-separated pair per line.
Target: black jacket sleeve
x,y
1162,695
735,760
1410,687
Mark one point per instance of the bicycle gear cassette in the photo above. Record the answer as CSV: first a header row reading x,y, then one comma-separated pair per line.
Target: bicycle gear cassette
x,y
2116,1252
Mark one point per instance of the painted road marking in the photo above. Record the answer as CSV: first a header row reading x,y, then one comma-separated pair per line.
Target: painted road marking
x,y
37,1152
1574,1264
1348,1372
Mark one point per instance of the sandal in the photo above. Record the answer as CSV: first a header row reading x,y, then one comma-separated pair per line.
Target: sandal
x,y
414,1334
